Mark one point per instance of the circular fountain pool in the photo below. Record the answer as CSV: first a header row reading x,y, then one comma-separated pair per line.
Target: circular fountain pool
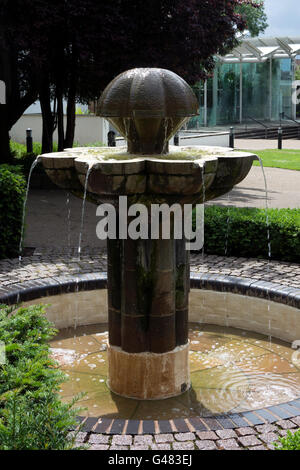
x,y
241,357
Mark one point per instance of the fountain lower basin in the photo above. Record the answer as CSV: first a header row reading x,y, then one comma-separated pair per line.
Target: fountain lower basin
x,y
237,360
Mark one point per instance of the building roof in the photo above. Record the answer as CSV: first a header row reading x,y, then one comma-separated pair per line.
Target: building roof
x,y
260,49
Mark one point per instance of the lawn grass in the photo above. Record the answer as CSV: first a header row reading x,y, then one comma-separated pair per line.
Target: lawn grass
x,y
287,159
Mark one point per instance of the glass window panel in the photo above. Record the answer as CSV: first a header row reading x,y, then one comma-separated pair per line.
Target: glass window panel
x,y
256,94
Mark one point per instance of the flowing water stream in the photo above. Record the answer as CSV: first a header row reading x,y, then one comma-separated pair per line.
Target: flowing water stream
x,y
267,209
25,206
83,209
68,204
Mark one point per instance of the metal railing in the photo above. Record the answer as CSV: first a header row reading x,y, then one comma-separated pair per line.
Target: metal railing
x,y
261,124
284,116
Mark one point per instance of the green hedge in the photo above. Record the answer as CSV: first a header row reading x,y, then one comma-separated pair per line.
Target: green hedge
x,y
12,193
32,417
244,232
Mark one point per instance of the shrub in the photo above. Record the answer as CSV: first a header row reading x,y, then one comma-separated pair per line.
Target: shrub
x,y
20,151
243,232
12,193
24,159
290,442
31,413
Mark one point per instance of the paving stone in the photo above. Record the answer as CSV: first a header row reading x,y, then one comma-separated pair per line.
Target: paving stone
x,y
206,445
122,440
148,427
265,428
181,425
282,432
114,447
207,435
245,431
145,439
186,436
296,420
183,445
98,439
257,448
99,447
271,446
162,438
226,433
165,426
80,436
286,424
228,444
268,437
248,441
139,447
164,446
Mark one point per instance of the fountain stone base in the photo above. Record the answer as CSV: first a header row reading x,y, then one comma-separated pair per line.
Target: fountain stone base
x,y
149,376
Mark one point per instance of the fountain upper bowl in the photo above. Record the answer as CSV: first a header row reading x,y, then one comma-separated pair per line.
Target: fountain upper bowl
x,y
194,173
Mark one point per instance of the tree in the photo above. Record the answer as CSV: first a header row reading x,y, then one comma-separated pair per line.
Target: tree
x,y
256,18
24,26
72,49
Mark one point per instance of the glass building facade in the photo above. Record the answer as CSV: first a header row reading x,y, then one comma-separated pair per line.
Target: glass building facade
x,y
254,84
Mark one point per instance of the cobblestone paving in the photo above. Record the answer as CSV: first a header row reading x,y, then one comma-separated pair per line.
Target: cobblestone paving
x,y
51,263
260,437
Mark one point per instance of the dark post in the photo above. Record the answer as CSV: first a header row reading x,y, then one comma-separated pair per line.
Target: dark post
x,y
29,145
176,139
111,137
280,138
231,138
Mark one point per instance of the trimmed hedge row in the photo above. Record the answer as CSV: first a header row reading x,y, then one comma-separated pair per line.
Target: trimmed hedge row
x,y
229,231
243,232
12,194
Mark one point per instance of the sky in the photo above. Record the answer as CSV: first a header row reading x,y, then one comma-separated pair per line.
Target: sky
x,y
283,17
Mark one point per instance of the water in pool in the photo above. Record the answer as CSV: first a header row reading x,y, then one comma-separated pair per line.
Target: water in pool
x,y
231,371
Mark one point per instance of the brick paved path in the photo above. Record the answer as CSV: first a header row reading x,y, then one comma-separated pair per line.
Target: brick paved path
x,y
50,263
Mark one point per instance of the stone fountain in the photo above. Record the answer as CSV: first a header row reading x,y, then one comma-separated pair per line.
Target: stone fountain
x,y
148,279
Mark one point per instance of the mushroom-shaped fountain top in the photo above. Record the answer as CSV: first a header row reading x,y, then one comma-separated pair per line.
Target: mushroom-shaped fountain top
x,y
147,106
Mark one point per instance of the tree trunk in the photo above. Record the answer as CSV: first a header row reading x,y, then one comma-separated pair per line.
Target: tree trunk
x,y
5,154
60,121
48,120
71,118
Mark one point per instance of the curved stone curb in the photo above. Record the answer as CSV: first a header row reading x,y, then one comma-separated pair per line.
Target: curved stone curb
x,y
263,416
29,290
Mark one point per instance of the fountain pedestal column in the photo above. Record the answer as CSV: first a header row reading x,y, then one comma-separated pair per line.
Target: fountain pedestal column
x,y
148,283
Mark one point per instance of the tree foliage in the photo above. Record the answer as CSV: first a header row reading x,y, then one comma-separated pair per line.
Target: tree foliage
x,y
256,18
72,49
